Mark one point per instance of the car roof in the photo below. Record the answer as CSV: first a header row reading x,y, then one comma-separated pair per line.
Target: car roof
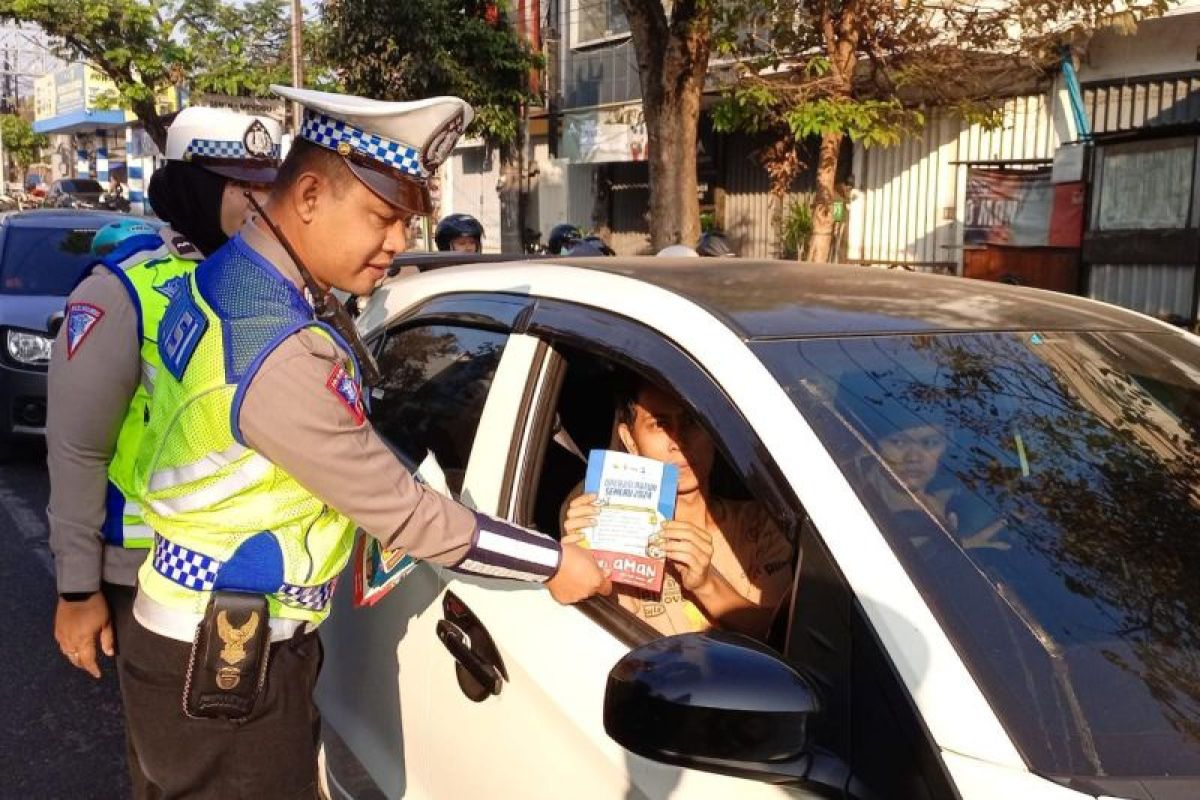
x,y
68,217
784,299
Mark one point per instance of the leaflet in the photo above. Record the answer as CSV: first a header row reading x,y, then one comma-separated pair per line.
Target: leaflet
x,y
636,496
378,570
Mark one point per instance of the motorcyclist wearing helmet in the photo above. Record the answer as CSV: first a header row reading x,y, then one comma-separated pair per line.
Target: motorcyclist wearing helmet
x,y
112,234
714,245
459,232
562,238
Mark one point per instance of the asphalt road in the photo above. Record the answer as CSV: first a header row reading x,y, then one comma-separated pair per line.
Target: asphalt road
x,y
61,735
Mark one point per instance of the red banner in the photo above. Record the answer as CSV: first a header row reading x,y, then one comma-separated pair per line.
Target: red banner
x,y
1008,207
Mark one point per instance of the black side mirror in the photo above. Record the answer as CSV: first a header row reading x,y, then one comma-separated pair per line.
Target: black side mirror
x,y
53,323
718,702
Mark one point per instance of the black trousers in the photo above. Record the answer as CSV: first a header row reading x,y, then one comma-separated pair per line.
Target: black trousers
x,y
271,754
120,608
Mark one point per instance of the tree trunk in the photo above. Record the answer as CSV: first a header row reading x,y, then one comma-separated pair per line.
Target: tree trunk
x,y
674,200
147,114
672,63
820,246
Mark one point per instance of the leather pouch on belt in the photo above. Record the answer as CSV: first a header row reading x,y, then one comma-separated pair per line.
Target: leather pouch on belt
x,y
229,657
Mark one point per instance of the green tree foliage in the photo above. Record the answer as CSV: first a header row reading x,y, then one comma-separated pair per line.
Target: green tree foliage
x,y
21,145
146,46
134,43
248,47
403,50
864,69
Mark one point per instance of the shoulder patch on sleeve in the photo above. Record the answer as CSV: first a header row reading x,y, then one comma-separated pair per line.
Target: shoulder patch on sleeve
x,y
81,318
347,391
180,246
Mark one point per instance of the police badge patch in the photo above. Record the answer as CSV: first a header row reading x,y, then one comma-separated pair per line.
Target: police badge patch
x,y
81,318
171,287
347,391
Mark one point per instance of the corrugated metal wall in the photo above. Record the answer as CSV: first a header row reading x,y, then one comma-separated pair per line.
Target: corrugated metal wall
x,y
750,212
629,186
909,198
1162,291
1147,101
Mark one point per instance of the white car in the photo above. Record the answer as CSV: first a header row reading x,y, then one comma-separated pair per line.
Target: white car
x,y
1016,618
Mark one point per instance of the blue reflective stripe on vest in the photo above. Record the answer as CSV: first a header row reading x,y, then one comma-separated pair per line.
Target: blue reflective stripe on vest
x,y
113,529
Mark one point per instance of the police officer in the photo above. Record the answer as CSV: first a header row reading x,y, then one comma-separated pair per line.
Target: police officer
x,y
105,362
258,462
459,232
562,238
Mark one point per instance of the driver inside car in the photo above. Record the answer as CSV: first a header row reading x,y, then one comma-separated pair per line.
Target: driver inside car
x,y
728,564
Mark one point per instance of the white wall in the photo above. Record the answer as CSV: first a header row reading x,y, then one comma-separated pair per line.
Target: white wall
x,y
552,190
469,187
1158,47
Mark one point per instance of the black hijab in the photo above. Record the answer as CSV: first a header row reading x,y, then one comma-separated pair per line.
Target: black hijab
x,y
188,198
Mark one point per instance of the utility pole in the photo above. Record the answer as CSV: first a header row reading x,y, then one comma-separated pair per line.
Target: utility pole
x,y
297,64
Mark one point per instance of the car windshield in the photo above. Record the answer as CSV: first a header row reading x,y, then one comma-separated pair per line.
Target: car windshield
x,y
47,261
1043,491
81,186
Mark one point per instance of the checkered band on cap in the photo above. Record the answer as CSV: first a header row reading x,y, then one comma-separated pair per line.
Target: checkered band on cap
x,y
314,598
185,567
329,133
219,148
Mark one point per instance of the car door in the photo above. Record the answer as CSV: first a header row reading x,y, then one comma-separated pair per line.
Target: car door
x,y
542,735
441,380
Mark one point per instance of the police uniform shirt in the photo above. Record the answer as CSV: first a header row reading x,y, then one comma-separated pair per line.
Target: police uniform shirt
x,y
291,417
89,388
88,396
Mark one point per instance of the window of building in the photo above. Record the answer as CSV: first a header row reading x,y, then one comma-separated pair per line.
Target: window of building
x,y
596,20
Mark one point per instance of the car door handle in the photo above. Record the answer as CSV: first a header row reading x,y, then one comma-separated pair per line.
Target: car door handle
x,y
486,675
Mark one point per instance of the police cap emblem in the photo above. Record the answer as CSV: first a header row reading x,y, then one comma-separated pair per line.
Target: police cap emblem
x,y
257,140
438,148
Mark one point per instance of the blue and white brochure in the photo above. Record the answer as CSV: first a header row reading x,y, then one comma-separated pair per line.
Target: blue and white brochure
x,y
636,496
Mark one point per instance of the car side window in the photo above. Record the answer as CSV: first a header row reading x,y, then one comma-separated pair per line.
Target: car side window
x,y
602,406
435,383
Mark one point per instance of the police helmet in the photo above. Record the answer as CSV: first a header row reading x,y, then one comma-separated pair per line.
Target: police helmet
x,y
714,245
563,237
456,225
241,147
112,234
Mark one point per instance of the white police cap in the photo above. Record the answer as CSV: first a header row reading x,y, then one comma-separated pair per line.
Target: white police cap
x,y
393,148
243,147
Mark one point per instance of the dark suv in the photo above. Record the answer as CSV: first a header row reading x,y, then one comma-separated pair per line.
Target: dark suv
x,y
43,254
